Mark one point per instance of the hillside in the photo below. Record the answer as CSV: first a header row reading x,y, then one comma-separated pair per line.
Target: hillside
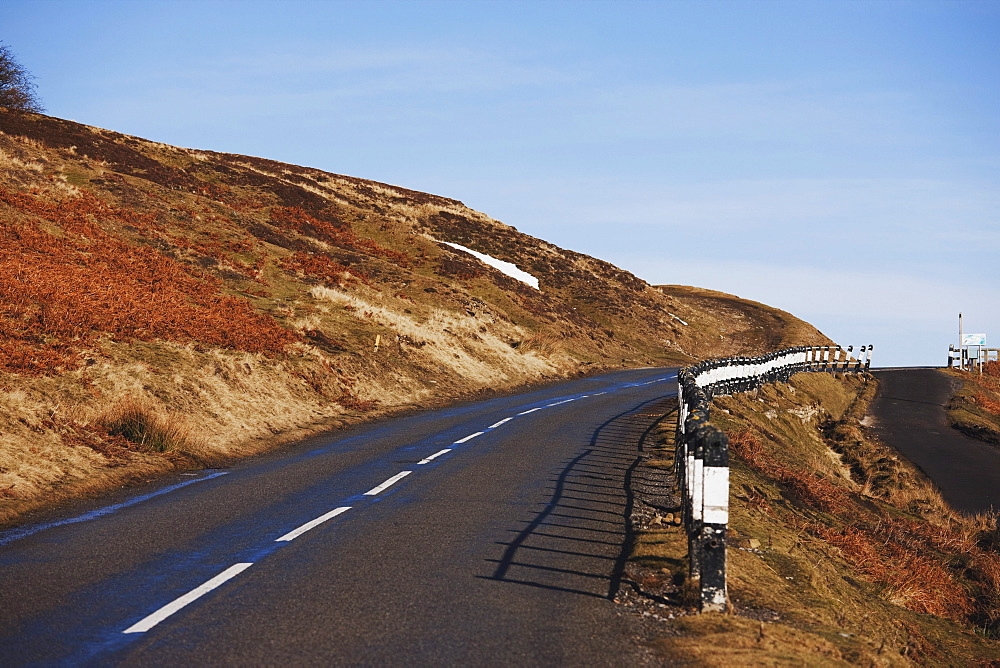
x,y
166,307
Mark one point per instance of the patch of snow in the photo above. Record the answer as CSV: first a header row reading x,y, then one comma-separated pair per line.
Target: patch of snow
x,y
676,318
506,267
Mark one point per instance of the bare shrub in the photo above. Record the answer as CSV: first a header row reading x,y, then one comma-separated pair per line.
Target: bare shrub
x,y
17,90
747,447
137,422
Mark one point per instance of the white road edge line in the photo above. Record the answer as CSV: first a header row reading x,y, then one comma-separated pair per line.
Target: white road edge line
x,y
292,535
387,484
503,421
152,620
469,437
532,410
434,456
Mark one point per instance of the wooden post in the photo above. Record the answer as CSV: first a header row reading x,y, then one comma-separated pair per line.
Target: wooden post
x,y
715,517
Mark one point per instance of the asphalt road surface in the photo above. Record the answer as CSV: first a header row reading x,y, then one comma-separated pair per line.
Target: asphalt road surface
x,y
910,414
489,533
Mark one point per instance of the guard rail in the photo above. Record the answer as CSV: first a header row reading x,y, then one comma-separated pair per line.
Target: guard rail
x,y
702,450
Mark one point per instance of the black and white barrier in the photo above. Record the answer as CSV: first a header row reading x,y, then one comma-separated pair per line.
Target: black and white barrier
x,y
702,451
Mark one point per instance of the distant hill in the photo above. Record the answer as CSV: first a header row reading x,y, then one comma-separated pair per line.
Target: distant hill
x,y
167,307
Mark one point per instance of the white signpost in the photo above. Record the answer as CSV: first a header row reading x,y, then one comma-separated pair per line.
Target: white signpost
x,y
970,349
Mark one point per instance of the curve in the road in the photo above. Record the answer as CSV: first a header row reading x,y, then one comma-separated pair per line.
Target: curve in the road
x,y
910,416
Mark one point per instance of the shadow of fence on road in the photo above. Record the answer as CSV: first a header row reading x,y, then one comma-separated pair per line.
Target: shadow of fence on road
x,y
578,540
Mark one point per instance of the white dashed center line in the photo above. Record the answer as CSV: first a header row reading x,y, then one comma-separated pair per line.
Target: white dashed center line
x,y
152,620
155,618
434,456
564,401
387,484
292,535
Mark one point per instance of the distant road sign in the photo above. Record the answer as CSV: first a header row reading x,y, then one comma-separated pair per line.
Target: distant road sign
x,y
974,340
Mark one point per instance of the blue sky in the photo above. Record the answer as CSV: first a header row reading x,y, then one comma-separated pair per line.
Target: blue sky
x,y
840,160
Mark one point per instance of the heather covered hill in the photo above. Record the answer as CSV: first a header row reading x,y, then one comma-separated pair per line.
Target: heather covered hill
x,y
164,307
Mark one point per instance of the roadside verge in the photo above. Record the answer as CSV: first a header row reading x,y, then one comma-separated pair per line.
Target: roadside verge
x,y
844,552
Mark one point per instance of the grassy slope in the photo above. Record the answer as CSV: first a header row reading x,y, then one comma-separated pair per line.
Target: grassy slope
x,y
975,408
163,307
746,327
841,553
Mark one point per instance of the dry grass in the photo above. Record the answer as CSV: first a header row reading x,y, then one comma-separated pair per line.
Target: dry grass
x,y
738,324
975,408
908,576
139,422
808,486
57,292
477,347
725,641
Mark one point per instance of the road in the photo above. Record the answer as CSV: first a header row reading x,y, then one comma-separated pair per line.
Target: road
x,y
910,414
489,533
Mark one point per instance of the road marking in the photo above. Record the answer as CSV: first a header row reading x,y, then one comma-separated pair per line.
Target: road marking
x,y
387,484
16,534
292,535
152,620
564,401
434,456
176,605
